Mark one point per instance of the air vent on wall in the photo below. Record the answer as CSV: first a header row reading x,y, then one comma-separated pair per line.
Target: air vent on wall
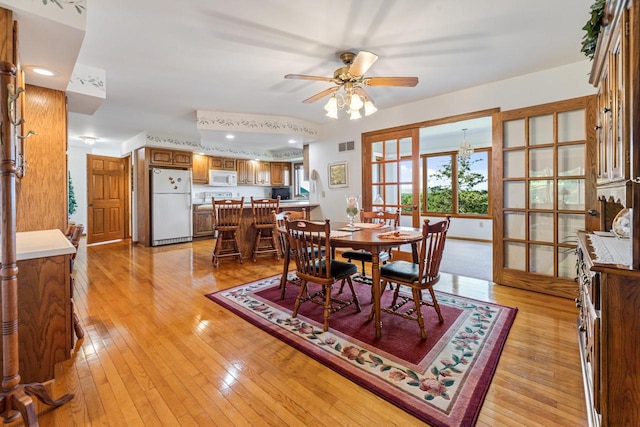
x,y
346,146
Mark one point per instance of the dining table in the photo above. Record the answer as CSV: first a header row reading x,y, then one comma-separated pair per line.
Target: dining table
x,y
373,239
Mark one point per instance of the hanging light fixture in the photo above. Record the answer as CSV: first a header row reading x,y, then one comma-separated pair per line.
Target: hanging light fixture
x,y
350,101
466,150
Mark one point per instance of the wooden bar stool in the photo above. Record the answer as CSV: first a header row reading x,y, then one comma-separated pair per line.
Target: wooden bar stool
x,y
266,241
227,215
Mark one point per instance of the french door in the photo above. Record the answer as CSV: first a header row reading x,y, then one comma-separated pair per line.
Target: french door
x,y
392,175
545,190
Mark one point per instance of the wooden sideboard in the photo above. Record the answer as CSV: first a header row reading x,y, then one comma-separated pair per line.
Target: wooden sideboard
x,y
607,326
45,319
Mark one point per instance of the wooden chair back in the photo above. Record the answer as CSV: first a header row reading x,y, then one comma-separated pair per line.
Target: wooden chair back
x,y
262,210
227,213
280,220
375,217
309,243
70,229
431,249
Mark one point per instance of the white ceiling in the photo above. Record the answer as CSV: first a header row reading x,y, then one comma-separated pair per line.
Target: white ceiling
x,y
166,59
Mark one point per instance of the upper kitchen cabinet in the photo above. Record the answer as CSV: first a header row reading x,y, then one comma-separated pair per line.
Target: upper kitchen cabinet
x,y
222,163
246,171
200,169
612,73
263,173
165,157
280,173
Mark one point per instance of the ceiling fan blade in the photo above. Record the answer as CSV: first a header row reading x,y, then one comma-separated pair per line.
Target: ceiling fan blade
x,y
362,62
391,81
322,94
303,77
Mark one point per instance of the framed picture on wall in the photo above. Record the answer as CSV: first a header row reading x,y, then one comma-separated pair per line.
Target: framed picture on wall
x,y
338,175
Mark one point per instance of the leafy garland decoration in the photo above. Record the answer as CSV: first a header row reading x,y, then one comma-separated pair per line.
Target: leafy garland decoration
x,y
76,3
592,29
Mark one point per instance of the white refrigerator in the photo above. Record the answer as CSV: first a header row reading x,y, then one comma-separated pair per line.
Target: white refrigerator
x,y
171,215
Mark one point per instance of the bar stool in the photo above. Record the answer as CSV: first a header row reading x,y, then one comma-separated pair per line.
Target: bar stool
x,y
266,241
227,215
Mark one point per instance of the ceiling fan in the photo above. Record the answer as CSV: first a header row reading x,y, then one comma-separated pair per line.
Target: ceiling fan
x,y
351,78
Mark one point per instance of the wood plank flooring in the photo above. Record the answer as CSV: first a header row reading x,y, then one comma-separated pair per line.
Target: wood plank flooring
x,y
157,352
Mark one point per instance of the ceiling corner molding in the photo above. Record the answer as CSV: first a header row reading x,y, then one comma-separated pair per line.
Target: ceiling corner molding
x,y
87,89
244,122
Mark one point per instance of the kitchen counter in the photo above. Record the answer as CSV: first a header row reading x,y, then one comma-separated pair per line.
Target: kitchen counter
x,y
41,244
284,204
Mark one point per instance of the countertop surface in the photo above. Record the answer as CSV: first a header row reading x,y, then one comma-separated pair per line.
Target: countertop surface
x,y
201,205
42,243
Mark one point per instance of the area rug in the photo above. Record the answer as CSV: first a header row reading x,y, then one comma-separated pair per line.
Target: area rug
x,y
442,381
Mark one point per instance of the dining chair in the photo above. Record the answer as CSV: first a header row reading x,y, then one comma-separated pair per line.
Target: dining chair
x,y
373,217
227,215
280,220
418,276
266,241
309,243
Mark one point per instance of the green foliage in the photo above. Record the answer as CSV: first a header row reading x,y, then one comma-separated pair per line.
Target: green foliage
x,y
592,29
470,200
72,197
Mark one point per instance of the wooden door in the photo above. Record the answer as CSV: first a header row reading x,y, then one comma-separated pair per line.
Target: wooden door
x,y
544,189
106,196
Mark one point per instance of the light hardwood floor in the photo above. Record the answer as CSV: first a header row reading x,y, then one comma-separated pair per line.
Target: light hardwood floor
x,y
157,352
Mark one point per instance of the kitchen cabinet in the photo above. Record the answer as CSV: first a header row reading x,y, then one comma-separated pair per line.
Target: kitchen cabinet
x,y
165,157
200,169
280,173
246,171
202,220
263,173
608,320
222,163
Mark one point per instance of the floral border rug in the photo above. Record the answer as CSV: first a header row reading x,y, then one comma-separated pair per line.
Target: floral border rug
x,y
442,381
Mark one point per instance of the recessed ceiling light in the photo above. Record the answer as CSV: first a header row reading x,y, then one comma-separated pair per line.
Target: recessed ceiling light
x,y
89,140
42,71
292,141
229,136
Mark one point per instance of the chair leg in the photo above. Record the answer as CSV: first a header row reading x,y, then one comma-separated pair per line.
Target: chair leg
x,y
416,300
303,288
77,328
364,273
216,251
436,305
255,245
353,293
327,306
283,279
276,246
395,294
236,246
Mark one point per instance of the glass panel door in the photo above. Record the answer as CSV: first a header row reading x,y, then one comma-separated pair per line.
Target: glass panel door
x,y
544,190
393,169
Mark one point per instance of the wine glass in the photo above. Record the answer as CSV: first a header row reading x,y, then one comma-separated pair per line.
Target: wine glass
x,y
353,207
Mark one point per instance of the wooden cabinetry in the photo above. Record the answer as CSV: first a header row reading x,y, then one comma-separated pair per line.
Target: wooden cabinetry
x,y
200,169
614,73
263,173
165,157
222,163
609,318
280,173
202,221
246,171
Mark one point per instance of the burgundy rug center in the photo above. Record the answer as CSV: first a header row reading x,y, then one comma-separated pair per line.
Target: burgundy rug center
x,y
442,381
400,337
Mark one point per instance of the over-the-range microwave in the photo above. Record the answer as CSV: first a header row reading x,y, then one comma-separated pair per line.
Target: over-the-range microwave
x,y
218,178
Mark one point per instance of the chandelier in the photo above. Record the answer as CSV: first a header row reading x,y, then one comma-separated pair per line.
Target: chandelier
x,y
466,150
351,101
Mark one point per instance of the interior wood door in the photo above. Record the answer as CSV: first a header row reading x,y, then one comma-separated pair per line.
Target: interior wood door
x,y
545,191
106,196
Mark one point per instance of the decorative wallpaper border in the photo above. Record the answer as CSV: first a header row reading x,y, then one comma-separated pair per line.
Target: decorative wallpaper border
x,y
79,5
225,121
290,154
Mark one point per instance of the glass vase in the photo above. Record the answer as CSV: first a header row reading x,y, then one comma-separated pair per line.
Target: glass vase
x,y
353,208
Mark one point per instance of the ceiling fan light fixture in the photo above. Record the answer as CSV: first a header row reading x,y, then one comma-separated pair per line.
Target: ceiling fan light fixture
x,y
369,108
356,102
355,114
331,105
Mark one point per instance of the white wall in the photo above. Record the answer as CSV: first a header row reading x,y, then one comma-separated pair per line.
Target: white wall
x,y
570,81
